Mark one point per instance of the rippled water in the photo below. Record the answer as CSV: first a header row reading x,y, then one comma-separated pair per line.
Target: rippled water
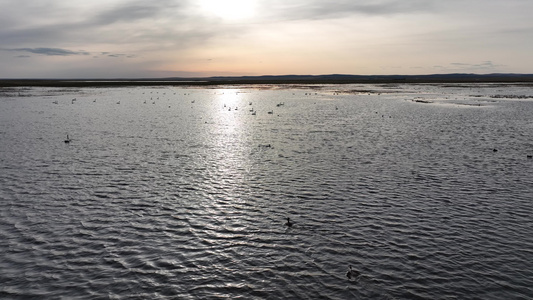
x,y
182,198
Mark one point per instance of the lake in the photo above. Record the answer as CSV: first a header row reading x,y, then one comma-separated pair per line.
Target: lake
x,y
183,192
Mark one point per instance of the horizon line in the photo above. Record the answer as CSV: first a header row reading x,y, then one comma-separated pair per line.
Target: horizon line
x,y
271,75
273,79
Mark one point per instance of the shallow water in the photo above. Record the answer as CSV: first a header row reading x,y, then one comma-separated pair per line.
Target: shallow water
x,y
182,198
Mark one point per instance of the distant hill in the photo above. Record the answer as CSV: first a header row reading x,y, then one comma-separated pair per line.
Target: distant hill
x,y
277,79
344,78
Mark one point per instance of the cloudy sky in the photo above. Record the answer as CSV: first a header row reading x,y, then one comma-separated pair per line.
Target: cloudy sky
x,y
133,38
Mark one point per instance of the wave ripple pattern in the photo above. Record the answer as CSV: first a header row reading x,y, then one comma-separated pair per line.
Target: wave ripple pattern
x,y
183,193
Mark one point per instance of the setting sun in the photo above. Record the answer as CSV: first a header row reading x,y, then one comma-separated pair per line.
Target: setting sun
x,y
229,9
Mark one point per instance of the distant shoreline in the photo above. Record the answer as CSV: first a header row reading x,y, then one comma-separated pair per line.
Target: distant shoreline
x,y
284,79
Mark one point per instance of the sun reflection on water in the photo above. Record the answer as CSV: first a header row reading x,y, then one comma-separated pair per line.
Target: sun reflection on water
x,y
229,98
232,144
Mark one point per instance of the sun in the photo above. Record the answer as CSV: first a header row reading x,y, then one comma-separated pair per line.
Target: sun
x,y
230,10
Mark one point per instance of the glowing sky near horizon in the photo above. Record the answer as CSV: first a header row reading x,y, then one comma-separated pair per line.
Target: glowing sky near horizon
x,y
133,38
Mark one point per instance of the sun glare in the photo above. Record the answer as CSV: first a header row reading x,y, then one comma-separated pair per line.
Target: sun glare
x,y
229,9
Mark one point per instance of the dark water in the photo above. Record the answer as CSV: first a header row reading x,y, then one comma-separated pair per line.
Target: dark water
x,y
181,198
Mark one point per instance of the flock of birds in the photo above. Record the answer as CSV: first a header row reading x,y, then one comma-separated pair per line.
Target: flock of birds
x,y
253,112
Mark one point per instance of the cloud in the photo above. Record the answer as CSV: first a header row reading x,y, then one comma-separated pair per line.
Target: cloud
x,y
295,36
319,9
133,11
65,52
129,23
51,51
485,66
118,55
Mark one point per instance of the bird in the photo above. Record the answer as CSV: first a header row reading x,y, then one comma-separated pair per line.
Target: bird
x,y
352,273
67,140
289,223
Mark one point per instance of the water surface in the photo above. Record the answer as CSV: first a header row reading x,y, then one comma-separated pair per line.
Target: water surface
x,y
182,193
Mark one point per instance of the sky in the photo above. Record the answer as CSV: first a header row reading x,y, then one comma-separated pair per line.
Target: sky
x,y
186,38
